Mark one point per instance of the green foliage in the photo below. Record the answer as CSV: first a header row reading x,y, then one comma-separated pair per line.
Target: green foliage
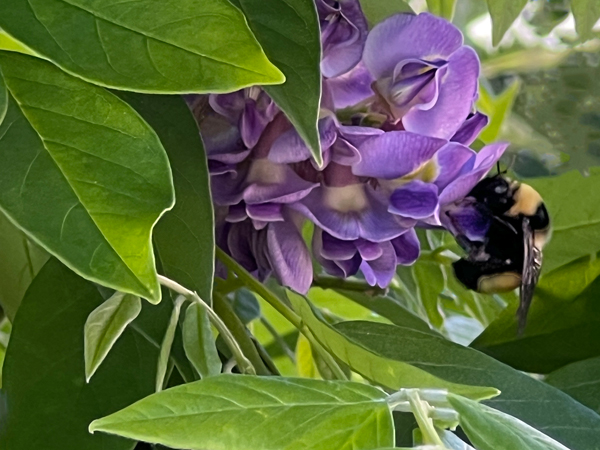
x,y
20,261
581,380
184,236
105,325
504,13
167,344
378,10
288,31
173,46
522,396
67,181
497,108
587,13
490,429
199,342
44,377
391,372
442,8
290,413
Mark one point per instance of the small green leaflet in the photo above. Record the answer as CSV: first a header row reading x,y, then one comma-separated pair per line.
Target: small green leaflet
x,y
167,343
199,342
290,413
504,13
105,325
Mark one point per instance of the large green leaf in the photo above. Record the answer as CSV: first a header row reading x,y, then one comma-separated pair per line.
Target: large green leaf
x,y
105,325
504,13
269,413
378,10
289,33
82,174
48,403
587,13
575,216
581,380
559,330
20,261
540,405
393,373
171,46
184,236
490,429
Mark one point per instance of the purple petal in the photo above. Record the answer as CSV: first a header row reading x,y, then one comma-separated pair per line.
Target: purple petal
x,y
349,267
406,36
265,212
222,140
369,250
290,259
290,147
467,219
380,271
351,88
451,160
470,129
336,249
328,265
484,160
274,183
368,219
228,188
237,213
343,35
415,199
407,247
228,105
253,122
395,154
239,245
457,93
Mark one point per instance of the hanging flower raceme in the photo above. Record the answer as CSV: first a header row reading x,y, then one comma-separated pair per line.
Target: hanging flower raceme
x,y
413,87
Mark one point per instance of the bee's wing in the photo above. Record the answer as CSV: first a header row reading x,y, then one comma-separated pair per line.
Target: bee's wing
x,y
532,264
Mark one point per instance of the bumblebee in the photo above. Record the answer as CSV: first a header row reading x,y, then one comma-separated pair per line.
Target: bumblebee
x,y
514,225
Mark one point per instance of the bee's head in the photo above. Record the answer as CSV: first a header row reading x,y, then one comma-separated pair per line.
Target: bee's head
x,y
496,192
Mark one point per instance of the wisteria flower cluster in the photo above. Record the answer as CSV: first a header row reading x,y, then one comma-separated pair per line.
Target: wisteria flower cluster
x,y
397,161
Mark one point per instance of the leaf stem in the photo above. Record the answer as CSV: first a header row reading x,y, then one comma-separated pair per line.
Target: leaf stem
x,y
283,309
349,285
243,363
421,411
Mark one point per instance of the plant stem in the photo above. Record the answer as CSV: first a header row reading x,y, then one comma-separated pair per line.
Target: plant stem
x,y
278,339
243,363
349,285
283,309
421,411
238,330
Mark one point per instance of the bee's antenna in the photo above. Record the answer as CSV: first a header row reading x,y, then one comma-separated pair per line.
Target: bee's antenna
x,y
498,166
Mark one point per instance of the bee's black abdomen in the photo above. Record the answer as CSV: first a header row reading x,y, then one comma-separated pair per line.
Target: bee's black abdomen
x,y
540,220
467,272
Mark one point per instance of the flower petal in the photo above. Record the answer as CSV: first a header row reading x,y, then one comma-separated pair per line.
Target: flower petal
x,y
456,95
274,183
336,249
290,259
467,219
380,271
405,36
451,160
266,212
470,129
395,154
228,105
290,147
253,122
351,88
369,250
415,199
484,160
407,247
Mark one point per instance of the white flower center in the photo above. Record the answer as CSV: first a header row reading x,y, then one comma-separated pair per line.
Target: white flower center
x,y
346,198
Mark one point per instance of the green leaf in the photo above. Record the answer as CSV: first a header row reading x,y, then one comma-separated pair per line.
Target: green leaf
x,y
587,13
174,46
105,325
20,261
392,373
430,284
49,404
442,8
184,236
305,362
82,174
504,13
378,10
490,429
246,306
497,108
280,412
289,33
544,407
199,342
9,43
575,217
581,380
167,343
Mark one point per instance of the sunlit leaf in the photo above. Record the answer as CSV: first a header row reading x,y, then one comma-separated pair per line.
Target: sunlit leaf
x,y
442,8
587,13
504,13
82,174
393,373
291,413
105,325
173,46
289,33
497,108
378,10
490,429
199,342
48,403
522,396
304,359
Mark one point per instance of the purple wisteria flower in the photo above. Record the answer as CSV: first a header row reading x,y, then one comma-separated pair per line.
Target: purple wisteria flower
x,y
425,77
343,34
